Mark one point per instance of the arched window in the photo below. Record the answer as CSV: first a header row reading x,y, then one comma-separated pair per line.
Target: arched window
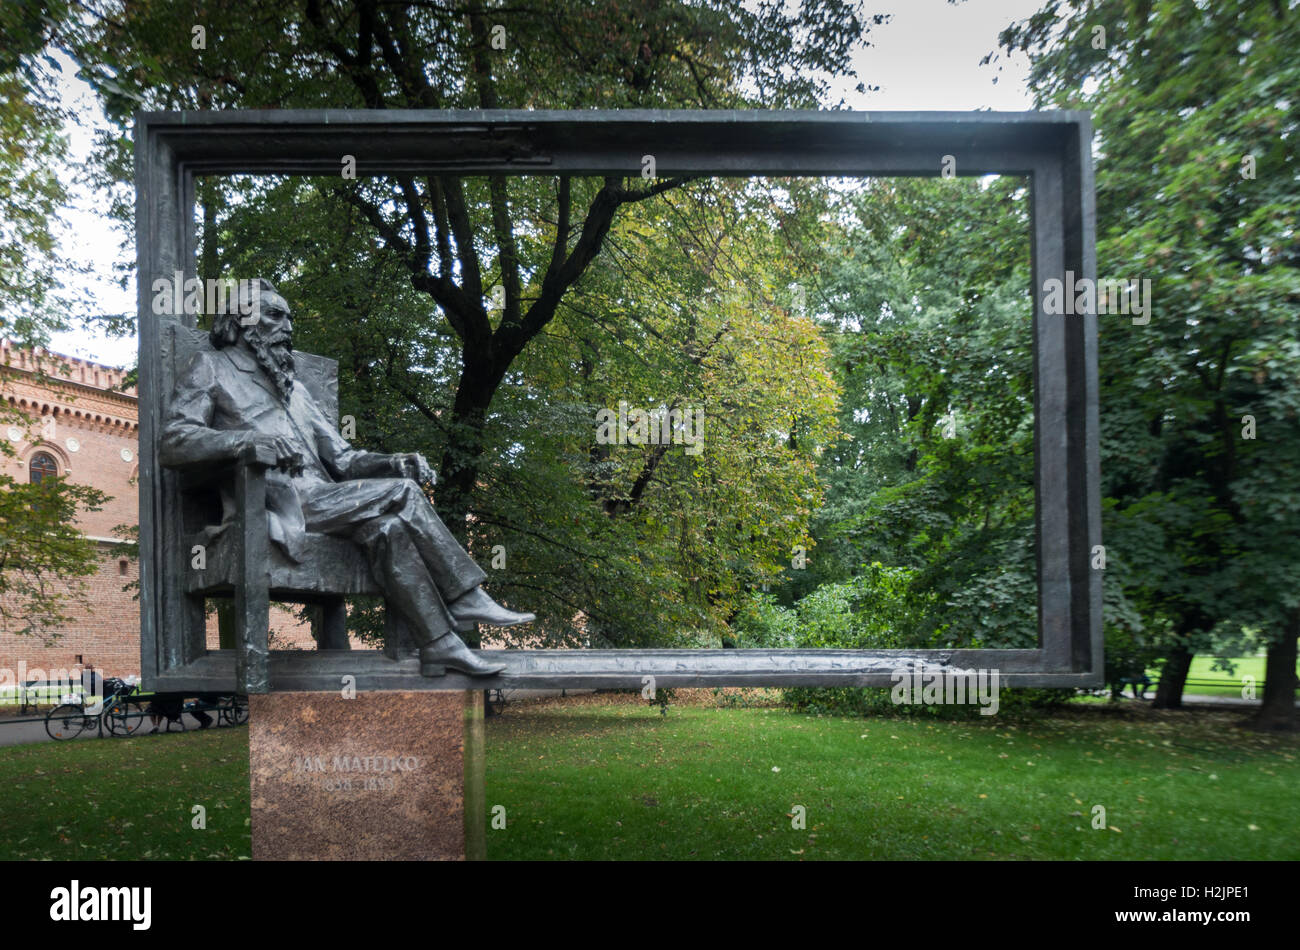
x,y
42,466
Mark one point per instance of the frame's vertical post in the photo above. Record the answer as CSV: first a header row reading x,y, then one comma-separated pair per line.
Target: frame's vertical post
x,y
252,590
1051,421
159,254
1078,218
334,625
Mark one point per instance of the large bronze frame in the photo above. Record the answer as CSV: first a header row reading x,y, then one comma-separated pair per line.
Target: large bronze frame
x,y
1052,149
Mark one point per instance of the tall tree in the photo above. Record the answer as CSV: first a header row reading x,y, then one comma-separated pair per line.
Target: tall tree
x,y
43,556
454,287
925,297
1197,159
448,235
33,149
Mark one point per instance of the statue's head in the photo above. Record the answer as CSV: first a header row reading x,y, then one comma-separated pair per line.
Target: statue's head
x,y
259,321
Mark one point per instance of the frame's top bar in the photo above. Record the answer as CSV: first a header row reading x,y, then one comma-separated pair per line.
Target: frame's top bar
x,y
373,117
601,142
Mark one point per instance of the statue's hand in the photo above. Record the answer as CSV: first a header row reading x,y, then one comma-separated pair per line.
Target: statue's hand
x,y
414,466
286,458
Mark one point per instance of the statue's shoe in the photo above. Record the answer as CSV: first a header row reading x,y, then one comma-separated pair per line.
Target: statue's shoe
x,y
449,651
478,607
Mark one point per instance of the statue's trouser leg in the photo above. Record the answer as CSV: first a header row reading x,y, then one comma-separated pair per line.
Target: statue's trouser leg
x,y
342,508
397,565
414,556
452,569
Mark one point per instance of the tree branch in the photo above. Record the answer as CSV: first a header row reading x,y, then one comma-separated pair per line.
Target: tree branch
x,y
455,303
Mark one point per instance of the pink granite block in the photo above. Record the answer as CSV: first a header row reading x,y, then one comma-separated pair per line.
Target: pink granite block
x,y
380,776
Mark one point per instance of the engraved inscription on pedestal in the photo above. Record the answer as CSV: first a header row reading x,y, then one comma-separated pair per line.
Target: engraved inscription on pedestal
x,y
356,773
380,776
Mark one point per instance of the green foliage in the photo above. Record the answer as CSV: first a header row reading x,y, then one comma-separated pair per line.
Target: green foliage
x,y
926,537
863,613
1128,655
31,197
1201,520
663,698
33,176
867,613
43,556
667,293
762,623
922,293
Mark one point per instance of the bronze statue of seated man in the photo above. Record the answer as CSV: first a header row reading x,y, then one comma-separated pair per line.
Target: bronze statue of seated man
x,y
242,394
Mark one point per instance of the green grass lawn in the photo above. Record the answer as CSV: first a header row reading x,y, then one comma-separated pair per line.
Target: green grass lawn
x,y
126,798
1200,670
607,777
618,781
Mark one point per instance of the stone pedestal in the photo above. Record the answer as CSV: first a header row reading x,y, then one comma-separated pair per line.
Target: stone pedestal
x,y
381,776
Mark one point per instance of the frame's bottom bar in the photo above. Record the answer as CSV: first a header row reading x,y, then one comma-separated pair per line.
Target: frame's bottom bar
x,y
324,671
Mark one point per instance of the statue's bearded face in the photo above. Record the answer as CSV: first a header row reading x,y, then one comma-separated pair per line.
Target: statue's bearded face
x,y
271,340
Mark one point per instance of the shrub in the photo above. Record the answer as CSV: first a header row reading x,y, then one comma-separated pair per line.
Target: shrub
x,y
763,623
871,611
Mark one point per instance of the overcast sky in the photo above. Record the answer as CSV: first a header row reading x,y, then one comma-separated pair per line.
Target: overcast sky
x,y
926,57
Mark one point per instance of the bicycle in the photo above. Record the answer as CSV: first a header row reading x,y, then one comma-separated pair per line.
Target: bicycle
x,y
124,713
70,719
233,710
497,700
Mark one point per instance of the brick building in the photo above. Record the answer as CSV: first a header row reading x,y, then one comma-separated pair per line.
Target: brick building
x,y
85,426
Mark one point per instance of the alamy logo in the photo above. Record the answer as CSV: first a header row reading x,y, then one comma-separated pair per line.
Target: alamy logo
x,y
1107,296
55,686
662,426
176,295
946,688
103,903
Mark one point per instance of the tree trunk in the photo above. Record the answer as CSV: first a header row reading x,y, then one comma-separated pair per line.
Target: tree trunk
x,y
458,471
456,480
1169,694
1277,712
